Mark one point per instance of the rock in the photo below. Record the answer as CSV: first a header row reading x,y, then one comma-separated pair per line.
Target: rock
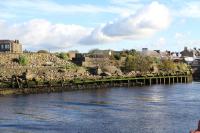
x,y
62,70
112,70
105,74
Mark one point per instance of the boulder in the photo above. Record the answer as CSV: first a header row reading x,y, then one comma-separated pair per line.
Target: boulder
x,y
113,70
105,74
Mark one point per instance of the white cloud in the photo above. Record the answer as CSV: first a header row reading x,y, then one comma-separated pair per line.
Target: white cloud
x,y
144,23
190,9
184,39
41,34
44,7
161,42
124,2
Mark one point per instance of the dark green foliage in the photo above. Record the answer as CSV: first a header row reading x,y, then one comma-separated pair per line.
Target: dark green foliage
x,y
23,60
42,51
117,56
167,65
93,51
63,56
137,62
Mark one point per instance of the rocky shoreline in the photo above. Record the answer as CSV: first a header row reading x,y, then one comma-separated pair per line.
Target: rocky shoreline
x,y
29,73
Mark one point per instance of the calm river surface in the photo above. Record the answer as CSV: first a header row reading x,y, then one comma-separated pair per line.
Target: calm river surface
x,y
155,109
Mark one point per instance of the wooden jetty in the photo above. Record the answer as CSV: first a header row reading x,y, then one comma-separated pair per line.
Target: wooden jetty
x,y
30,87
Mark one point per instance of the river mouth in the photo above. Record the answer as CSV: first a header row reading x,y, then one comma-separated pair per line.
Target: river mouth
x,y
149,109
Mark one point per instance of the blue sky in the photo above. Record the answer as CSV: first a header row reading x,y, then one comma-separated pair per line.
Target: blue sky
x,y
62,25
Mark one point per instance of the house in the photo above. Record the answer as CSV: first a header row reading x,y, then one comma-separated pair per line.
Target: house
x,y
151,53
10,46
187,53
196,62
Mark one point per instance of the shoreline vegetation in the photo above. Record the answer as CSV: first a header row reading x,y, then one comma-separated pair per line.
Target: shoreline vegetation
x,y
40,72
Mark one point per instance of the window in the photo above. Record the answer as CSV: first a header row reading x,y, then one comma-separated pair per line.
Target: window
x,y
7,46
2,47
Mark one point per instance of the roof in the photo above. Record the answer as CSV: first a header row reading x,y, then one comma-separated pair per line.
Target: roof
x,y
150,53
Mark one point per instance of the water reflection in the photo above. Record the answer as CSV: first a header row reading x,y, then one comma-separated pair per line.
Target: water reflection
x,y
155,109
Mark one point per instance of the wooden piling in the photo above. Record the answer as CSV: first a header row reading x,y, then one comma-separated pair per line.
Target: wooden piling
x,y
150,81
164,80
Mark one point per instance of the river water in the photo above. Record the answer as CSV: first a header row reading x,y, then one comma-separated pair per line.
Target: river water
x,y
154,109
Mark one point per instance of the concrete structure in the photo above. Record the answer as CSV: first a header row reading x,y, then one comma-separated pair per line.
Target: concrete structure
x,y
87,61
10,46
155,53
72,54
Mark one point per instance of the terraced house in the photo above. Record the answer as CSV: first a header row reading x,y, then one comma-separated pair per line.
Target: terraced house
x,y
10,46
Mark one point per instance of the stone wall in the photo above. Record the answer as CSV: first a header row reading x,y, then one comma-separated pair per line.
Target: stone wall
x,y
93,62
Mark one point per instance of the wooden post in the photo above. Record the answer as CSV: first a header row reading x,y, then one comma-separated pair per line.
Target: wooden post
x,y
18,83
181,79
27,83
173,80
169,80
133,83
128,83
164,80
150,81
13,81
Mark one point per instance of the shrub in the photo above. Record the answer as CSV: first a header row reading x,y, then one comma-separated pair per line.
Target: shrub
x,y
117,56
138,62
23,60
63,56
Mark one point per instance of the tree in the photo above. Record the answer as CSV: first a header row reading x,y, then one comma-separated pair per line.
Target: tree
x,y
137,62
167,65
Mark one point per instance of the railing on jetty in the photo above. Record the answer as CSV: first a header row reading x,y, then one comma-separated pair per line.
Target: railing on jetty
x,y
30,87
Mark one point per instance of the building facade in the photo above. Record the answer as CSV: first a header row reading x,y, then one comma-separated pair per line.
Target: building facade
x,y
10,46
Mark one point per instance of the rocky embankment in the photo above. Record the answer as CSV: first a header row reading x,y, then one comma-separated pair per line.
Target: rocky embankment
x,y
41,66
46,69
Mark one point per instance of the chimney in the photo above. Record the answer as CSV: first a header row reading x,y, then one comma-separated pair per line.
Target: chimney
x,y
144,49
185,48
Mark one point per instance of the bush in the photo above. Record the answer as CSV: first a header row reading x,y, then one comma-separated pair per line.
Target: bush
x,y
23,60
117,56
43,51
63,56
138,62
